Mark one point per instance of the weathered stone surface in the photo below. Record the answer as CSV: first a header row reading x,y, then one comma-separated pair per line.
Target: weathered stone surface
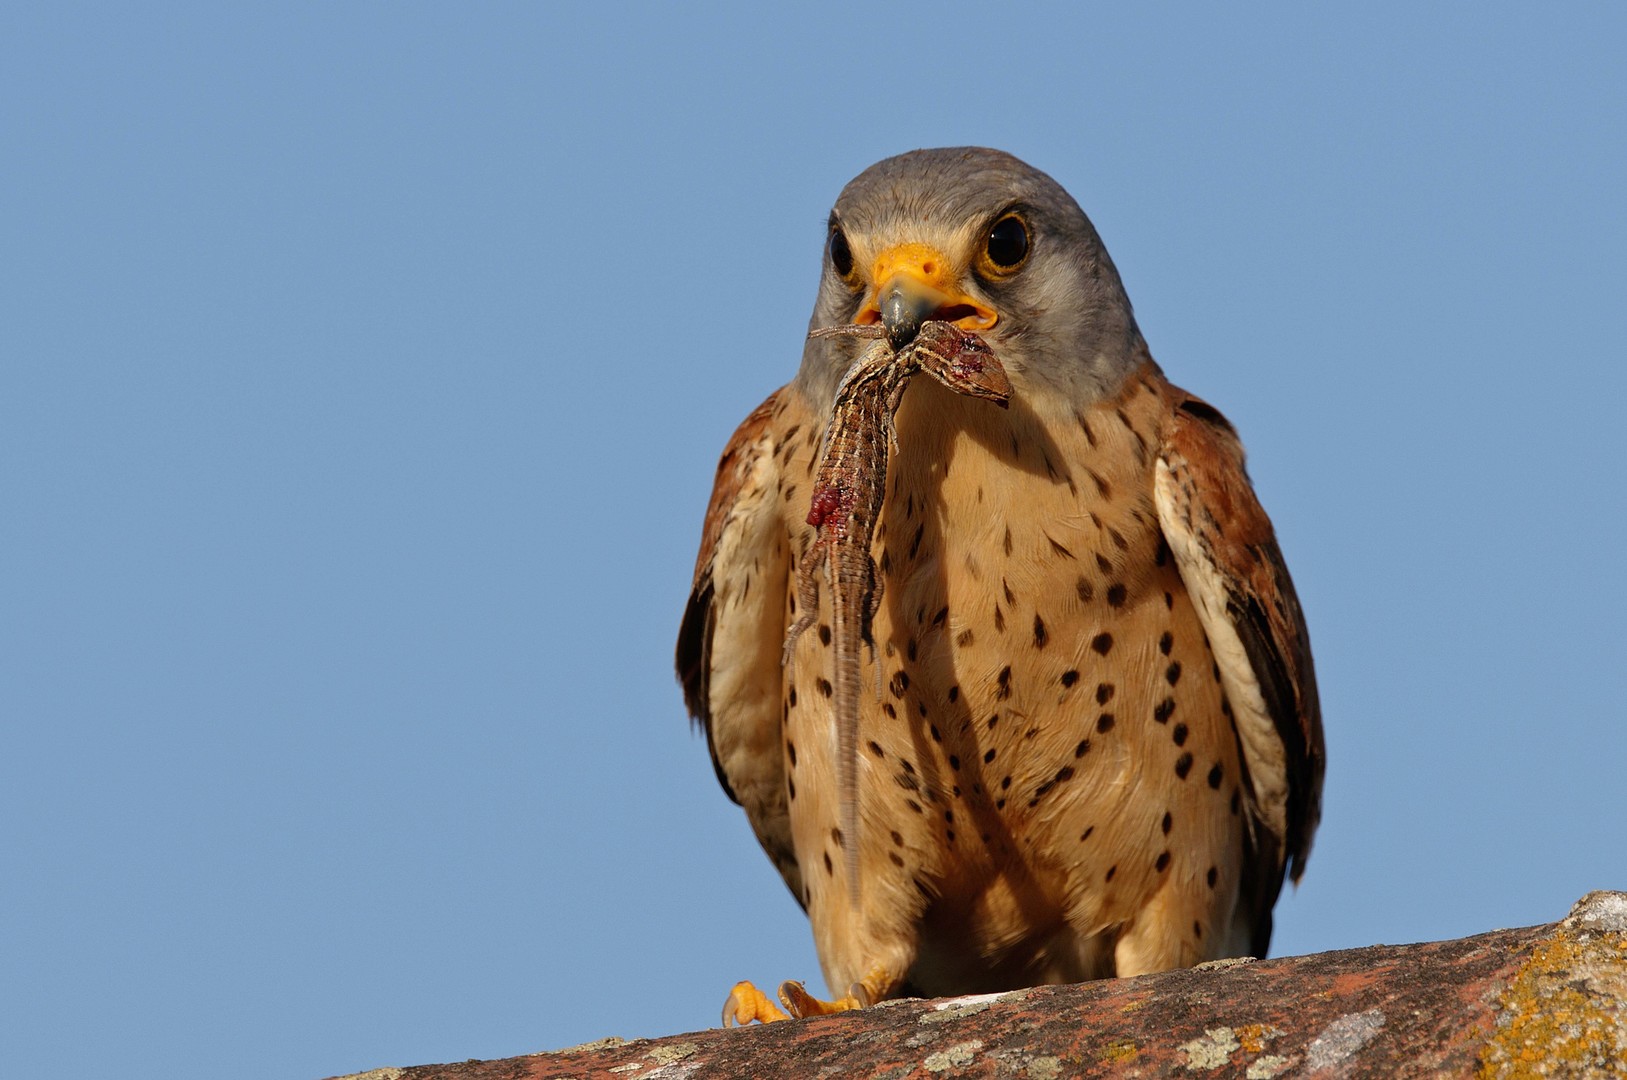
x,y
1541,1001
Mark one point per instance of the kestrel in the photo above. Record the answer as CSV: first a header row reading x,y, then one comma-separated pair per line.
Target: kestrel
x,y
1088,741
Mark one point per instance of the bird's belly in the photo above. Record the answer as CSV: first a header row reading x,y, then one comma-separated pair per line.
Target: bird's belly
x,y
1044,747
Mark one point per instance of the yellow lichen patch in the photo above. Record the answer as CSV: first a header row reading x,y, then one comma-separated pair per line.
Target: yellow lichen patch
x,y
1118,1051
1564,1012
1256,1037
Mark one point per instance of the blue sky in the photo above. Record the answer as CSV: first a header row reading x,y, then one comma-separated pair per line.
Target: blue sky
x,y
363,368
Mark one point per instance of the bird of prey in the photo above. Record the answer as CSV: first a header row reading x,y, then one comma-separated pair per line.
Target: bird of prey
x,y
1088,741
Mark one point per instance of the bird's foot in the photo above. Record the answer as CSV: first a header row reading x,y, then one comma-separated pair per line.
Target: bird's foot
x,y
799,1003
747,1003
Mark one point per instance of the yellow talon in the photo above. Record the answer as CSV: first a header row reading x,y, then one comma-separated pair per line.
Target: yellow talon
x,y
747,1003
799,1003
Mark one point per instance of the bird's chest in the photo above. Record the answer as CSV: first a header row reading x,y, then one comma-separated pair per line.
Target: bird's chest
x,y
1024,586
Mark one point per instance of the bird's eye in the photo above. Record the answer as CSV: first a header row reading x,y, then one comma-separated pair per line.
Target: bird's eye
x,y
1008,243
841,256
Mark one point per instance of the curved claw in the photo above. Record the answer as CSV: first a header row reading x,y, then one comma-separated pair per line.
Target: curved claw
x,y
801,1004
747,1003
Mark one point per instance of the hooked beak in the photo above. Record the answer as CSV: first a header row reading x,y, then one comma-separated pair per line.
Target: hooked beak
x,y
914,283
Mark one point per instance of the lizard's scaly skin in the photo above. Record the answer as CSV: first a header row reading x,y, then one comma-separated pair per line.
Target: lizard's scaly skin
x,y
847,497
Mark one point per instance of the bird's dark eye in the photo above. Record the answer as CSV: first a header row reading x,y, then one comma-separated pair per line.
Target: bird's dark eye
x,y
1008,242
841,256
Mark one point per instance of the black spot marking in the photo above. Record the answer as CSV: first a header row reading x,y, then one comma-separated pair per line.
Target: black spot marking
x,y
1103,563
792,697
1005,781
907,782
1059,548
900,683
1179,734
824,686
1070,677
954,694
887,707
1164,710
1104,723
824,634
1007,541
1168,822
1111,870
1169,601
913,805
909,650
1183,765
1161,556
1063,774
999,619
829,869
1212,876
988,756
1086,834
791,788
791,752
1004,689
993,720
964,638
1197,929
1039,632
836,836
954,762
1172,674
938,619
875,748
936,736
1082,749
1215,775
1118,539
1163,862
1085,590
1102,643
1116,594
907,766
1166,642
897,859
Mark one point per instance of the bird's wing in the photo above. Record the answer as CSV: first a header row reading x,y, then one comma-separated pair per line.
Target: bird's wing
x,y
1227,553
733,631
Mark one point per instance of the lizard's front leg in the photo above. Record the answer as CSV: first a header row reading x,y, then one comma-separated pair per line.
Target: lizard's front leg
x,y
807,594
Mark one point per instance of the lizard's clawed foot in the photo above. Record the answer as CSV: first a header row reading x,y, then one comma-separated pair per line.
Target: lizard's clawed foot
x,y
747,1003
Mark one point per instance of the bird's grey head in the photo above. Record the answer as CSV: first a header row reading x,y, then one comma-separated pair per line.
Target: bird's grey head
x,y
979,238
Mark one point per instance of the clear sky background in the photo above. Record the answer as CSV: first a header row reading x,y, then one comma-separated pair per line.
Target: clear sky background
x,y
363,368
